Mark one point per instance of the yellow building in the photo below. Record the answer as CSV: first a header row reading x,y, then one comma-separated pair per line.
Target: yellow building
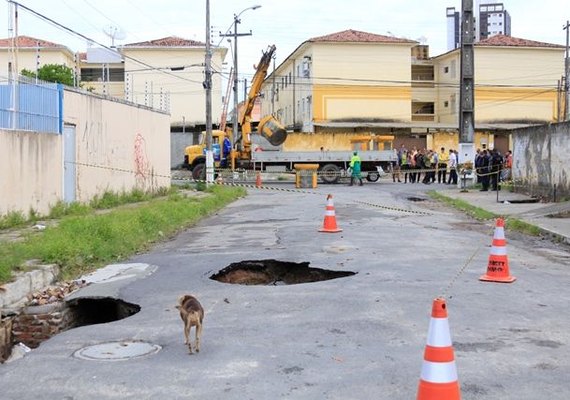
x,y
516,84
165,74
352,82
25,52
332,80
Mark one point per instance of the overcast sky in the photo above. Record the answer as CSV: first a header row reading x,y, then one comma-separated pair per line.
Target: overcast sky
x,y
285,23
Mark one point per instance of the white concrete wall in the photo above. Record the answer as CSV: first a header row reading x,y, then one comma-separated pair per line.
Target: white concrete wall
x,y
32,170
119,147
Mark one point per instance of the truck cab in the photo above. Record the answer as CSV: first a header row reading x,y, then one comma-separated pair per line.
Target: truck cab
x,y
195,155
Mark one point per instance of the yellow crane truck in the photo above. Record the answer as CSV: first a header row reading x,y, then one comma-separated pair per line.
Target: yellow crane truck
x,y
332,164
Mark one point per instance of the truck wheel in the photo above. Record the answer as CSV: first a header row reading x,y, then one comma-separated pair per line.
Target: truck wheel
x,y
199,172
330,173
372,176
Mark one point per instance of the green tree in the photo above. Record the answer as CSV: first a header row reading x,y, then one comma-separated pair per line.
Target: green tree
x,y
52,73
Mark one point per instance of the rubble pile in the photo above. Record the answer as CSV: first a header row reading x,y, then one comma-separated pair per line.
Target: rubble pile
x,y
55,293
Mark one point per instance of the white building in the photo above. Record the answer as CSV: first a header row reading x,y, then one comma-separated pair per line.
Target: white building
x,y
490,19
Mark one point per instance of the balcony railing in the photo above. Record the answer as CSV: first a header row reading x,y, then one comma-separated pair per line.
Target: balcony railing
x,y
423,117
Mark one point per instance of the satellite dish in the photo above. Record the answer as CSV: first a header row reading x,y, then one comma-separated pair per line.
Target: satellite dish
x,y
114,32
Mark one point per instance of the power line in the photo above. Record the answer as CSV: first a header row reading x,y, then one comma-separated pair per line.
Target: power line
x,y
73,32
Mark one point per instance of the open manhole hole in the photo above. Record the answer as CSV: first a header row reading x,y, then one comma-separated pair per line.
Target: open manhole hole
x,y
274,272
99,310
524,201
413,198
565,214
117,351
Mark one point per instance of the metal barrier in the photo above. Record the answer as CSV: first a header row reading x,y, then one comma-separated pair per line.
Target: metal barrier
x,y
30,105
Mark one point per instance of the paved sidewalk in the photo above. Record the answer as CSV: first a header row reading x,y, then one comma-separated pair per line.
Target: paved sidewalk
x,y
552,218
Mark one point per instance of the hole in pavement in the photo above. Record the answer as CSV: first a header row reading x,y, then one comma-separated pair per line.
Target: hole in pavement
x,y
98,310
35,324
416,198
274,272
524,201
565,214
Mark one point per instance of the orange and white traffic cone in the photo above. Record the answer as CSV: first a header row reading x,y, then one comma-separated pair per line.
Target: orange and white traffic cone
x,y
258,180
498,266
329,224
438,379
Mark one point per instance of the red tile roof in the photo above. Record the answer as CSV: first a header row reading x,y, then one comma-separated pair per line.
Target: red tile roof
x,y
351,35
82,56
27,41
171,41
503,40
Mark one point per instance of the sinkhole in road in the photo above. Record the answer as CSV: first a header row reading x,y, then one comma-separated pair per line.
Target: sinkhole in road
x,y
99,310
35,324
275,272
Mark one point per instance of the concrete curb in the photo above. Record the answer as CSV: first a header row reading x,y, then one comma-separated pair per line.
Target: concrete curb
x,y
15,294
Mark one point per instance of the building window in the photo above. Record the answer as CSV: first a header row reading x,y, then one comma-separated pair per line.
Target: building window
x,y
290,78
445,70
96,74
446,104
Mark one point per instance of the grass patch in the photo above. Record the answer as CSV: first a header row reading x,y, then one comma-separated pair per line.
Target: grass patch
x,y
82,243
473,211
13,220
512,224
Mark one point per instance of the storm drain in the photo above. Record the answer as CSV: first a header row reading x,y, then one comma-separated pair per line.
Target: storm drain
x,y
99,310
274,272
415,199
117,351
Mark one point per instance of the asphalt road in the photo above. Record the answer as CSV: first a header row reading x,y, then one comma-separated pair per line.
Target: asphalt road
x,y
358,337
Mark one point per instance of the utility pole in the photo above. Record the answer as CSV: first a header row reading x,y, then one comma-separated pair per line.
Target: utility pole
x,y
208,87
567,71
466,86
467,89
235,35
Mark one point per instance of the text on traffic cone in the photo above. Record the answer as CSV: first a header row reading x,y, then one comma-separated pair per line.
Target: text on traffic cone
x,y
498,266
329,224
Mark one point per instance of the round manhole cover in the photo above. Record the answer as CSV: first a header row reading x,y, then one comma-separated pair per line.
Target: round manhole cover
x,y
117,351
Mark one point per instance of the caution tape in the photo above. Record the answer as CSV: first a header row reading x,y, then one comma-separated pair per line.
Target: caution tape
x,y
222,182
261,187
393,208
463,268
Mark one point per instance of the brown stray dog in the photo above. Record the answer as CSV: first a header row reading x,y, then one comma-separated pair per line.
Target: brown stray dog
x,y
192,314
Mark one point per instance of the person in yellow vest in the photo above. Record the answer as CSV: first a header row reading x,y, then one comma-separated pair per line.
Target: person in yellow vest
x,y
442,166
355,164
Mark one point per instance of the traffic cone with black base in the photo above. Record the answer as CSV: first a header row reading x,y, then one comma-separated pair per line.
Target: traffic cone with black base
x,y
438,379
329,224
498,266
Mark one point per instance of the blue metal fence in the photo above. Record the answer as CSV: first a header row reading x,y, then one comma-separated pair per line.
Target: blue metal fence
x,y
39,106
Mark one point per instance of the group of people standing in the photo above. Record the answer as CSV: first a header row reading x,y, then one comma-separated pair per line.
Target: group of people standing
x,y
433,165
491,168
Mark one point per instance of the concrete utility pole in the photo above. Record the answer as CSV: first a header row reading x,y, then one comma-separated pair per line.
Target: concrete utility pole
x,y
567,71
208,87
466,86
235,35
466,151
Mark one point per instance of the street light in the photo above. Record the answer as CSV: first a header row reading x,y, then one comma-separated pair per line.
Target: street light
x,y
235,35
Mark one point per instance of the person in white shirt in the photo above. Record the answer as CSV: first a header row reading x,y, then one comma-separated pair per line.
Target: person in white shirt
x,y
452,167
